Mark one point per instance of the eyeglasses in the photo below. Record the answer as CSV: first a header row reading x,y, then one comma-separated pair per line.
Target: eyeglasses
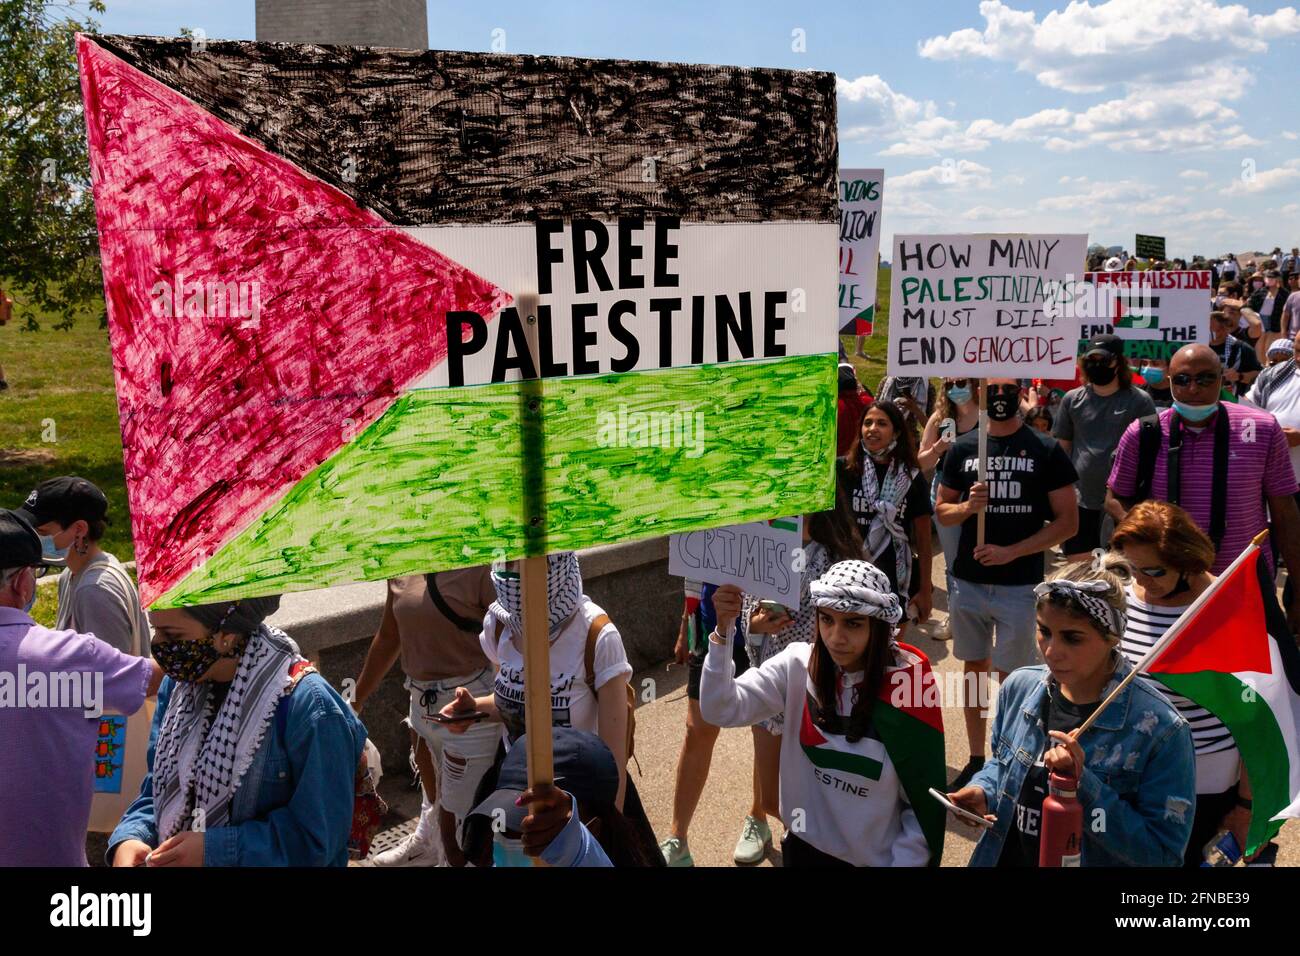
x,y
1007,390
1202,379
40,570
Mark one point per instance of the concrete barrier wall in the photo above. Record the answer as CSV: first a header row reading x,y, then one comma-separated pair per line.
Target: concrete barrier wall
x,y
334,627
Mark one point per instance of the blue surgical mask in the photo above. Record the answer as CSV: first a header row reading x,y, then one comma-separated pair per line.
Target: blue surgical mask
x,y
1153,375
50,552
960,396
1195,413
508,852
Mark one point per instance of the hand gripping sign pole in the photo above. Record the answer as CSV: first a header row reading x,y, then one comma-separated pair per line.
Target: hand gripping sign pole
x,y
537,644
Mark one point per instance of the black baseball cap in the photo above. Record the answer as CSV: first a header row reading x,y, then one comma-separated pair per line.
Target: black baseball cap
x,y
65,499
20,545
1105,345
584,766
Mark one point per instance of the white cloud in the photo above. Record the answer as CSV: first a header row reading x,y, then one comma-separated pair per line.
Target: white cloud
x,y
1287,134
1194,174
1087,48
1267,180
950,174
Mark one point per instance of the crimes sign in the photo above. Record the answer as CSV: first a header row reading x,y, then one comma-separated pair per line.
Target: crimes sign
x,y
983,305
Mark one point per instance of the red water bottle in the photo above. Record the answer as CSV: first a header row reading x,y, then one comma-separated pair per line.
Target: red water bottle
x,y
1061,830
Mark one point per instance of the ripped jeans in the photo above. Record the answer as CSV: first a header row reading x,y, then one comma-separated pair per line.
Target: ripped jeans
x,y
460,759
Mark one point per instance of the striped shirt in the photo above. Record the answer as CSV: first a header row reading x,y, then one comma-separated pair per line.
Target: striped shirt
x,y
1259,467
1216,751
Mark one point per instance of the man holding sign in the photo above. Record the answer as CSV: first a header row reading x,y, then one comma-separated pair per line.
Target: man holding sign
x,y
1029,504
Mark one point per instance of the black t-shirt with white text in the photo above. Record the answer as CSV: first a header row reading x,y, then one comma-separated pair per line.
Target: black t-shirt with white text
x,y
1021,848
1023,468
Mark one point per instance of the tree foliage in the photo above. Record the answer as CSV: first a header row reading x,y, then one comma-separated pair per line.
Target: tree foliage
x,y
49,252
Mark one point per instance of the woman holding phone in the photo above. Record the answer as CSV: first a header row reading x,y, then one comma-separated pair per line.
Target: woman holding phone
x,y
768,628
1134,766
891,504
854,777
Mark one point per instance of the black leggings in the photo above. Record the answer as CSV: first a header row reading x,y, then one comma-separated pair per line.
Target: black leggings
x,y
797,852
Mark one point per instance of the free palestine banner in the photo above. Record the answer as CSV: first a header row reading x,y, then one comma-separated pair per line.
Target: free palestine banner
x,y
324,267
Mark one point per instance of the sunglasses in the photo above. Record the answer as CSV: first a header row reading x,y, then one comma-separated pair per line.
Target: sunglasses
x,y
1007,390
1153,572
1202,379
956,383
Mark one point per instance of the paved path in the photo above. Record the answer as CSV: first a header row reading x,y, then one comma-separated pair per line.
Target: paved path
x,y
661,725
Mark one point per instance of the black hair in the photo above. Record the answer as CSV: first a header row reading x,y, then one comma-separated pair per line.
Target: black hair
x,y
836,530
823,674
904,451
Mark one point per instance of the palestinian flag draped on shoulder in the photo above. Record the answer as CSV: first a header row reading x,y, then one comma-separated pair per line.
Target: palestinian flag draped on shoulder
x,y
908,720
1233,654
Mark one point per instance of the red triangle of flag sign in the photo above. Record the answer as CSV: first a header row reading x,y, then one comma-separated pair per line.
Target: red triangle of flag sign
x,y
338,311
1227,634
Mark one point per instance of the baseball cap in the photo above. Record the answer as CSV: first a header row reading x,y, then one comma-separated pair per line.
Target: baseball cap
x,y
64,499
583,766
1105,345
20,545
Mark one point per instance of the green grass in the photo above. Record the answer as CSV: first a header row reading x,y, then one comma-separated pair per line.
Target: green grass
x,y
872,368
59,417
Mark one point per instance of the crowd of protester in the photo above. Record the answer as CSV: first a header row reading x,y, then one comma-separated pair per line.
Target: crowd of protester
x,y
1108,508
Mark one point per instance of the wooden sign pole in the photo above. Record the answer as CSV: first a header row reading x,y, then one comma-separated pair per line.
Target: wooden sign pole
x,y
981,466
533,578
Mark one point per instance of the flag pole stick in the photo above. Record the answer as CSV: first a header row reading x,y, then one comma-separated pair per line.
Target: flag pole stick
x,y
533,583
1174,630
983,445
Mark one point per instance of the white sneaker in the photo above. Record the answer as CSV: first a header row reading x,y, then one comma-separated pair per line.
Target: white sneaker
x,y
413,851
755,841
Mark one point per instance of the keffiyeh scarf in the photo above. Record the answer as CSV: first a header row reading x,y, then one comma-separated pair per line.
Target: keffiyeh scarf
x,y
201,755
1109,619
856,587
563,593
886,499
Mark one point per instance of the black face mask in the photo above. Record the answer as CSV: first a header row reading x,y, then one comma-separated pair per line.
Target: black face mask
x,y
1003,407
1099,373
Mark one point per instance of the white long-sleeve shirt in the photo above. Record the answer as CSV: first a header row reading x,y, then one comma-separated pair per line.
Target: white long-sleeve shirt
x,y
843,798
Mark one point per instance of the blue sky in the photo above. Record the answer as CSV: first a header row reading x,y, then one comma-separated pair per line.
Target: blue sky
x,y
1157,116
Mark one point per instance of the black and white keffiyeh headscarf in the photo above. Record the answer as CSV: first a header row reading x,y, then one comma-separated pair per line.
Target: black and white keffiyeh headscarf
x,y
563,593
857,587
202,756
1108,618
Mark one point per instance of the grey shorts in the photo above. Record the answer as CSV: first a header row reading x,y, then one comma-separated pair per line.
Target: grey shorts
x,y
993,620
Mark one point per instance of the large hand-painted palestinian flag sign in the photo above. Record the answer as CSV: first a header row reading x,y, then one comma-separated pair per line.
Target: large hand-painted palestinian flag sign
x,y
324,265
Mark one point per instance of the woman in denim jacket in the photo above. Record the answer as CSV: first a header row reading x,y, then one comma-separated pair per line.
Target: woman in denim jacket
x,y
1135,765
252,755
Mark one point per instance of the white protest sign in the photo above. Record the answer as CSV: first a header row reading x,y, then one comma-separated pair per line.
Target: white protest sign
x,y
1155,313
757,557
982,305
860,196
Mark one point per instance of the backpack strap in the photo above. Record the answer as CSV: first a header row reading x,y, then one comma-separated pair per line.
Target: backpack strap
x,y
589,652
445,609
1148,449
1219,487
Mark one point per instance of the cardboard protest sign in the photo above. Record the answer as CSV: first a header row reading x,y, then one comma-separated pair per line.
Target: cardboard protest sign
x,y
861,192
1156,313
1149,247
324,267
981,305
757,557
